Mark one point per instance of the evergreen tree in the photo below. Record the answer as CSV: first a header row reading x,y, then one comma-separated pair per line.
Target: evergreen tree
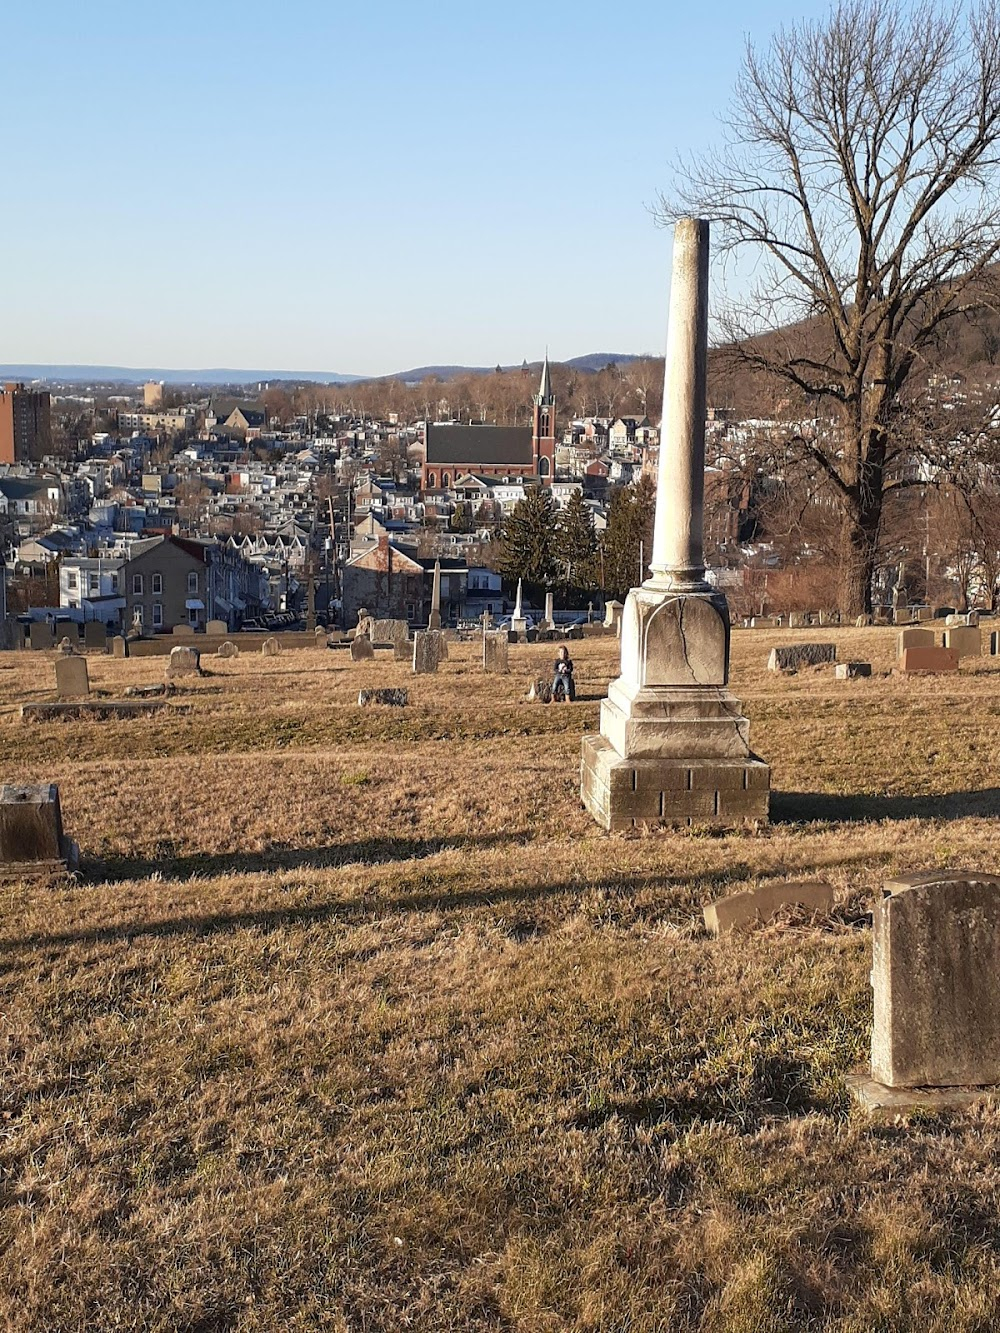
x,y
528,550
576,544
630,528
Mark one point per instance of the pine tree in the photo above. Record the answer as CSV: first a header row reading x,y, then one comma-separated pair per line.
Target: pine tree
x,y
629,530
528,550
576,544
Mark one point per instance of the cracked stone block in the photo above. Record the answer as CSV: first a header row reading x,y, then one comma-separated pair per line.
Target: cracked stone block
x,y
935,969
756,905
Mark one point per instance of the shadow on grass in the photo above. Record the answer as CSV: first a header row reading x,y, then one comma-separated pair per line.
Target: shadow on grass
x,y
796,807
373,851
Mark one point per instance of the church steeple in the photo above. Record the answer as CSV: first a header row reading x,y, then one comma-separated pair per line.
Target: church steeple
x,y
543,443
545,397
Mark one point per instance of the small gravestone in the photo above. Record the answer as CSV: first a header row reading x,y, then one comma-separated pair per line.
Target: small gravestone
x,y
914,638
228,649
799,620
95,634
935,972
541,691
361,648
216,627
182,629
31,831
319,634
392,698
119,646
64,648
726,915
183,661
15,632
613,616
403,649
852,670
427,645
863,622
72,679
270,647
42,635
495,652
966,640
796,655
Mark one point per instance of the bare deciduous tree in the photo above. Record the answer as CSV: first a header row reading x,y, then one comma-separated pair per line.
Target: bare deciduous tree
x,y
860,171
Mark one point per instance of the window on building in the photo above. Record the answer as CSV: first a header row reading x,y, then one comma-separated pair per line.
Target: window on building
x,y
136,585
95,583
157,584
157,615
71,579
114,582
193,582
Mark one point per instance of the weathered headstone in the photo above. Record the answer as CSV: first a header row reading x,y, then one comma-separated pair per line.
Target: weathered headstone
x,y
216,627
183,661
72,679
613,615
928,659
763,622
396,698
182,630
31,830
95,634
427,645
270,647
935,968
42,635
64,647
228,649
799,620
795,655
402,650
943,612
540,691
914,638
495,652
119,646
757,905
863,622
966,640
15,632
361,648
389,632
852,670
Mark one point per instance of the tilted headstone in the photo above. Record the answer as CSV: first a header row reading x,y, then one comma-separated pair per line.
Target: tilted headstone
x,y
183,661
935,973
95,634
42,635
270,648
361,648
72,679
228,649
119,646
796,655
427,646
966,640
495,652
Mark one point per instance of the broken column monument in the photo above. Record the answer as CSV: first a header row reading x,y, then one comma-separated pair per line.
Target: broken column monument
x,y
674,746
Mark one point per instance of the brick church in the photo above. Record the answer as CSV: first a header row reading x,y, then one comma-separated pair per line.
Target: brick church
x,y
505,453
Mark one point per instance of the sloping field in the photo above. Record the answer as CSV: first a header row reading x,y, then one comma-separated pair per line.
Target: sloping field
x,y
356,1021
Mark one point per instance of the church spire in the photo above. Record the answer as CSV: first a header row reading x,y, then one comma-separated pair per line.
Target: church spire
x,y
544,396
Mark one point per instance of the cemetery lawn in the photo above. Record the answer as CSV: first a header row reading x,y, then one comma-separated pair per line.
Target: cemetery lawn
x,y
356,1021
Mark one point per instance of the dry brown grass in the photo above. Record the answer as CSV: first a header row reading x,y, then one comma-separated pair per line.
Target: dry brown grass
x,y
356,1021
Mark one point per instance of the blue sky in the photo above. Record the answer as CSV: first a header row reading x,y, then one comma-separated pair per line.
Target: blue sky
x,y
349,187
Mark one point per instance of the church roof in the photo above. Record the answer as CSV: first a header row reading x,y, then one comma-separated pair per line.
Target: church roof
x,y
472,446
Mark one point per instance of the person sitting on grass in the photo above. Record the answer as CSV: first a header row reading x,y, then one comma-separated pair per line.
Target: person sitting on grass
x,y
562,681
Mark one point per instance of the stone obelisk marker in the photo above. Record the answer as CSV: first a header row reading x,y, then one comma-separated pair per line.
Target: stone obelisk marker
x,y
674,746
434,620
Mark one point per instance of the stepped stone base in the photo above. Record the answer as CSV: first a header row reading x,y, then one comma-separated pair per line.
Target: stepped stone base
x,y
621,793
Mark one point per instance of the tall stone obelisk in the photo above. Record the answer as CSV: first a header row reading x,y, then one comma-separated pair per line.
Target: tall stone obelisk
x,y
674,746
434,620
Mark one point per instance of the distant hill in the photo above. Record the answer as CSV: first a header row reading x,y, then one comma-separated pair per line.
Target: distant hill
x,y
139,375
589,364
